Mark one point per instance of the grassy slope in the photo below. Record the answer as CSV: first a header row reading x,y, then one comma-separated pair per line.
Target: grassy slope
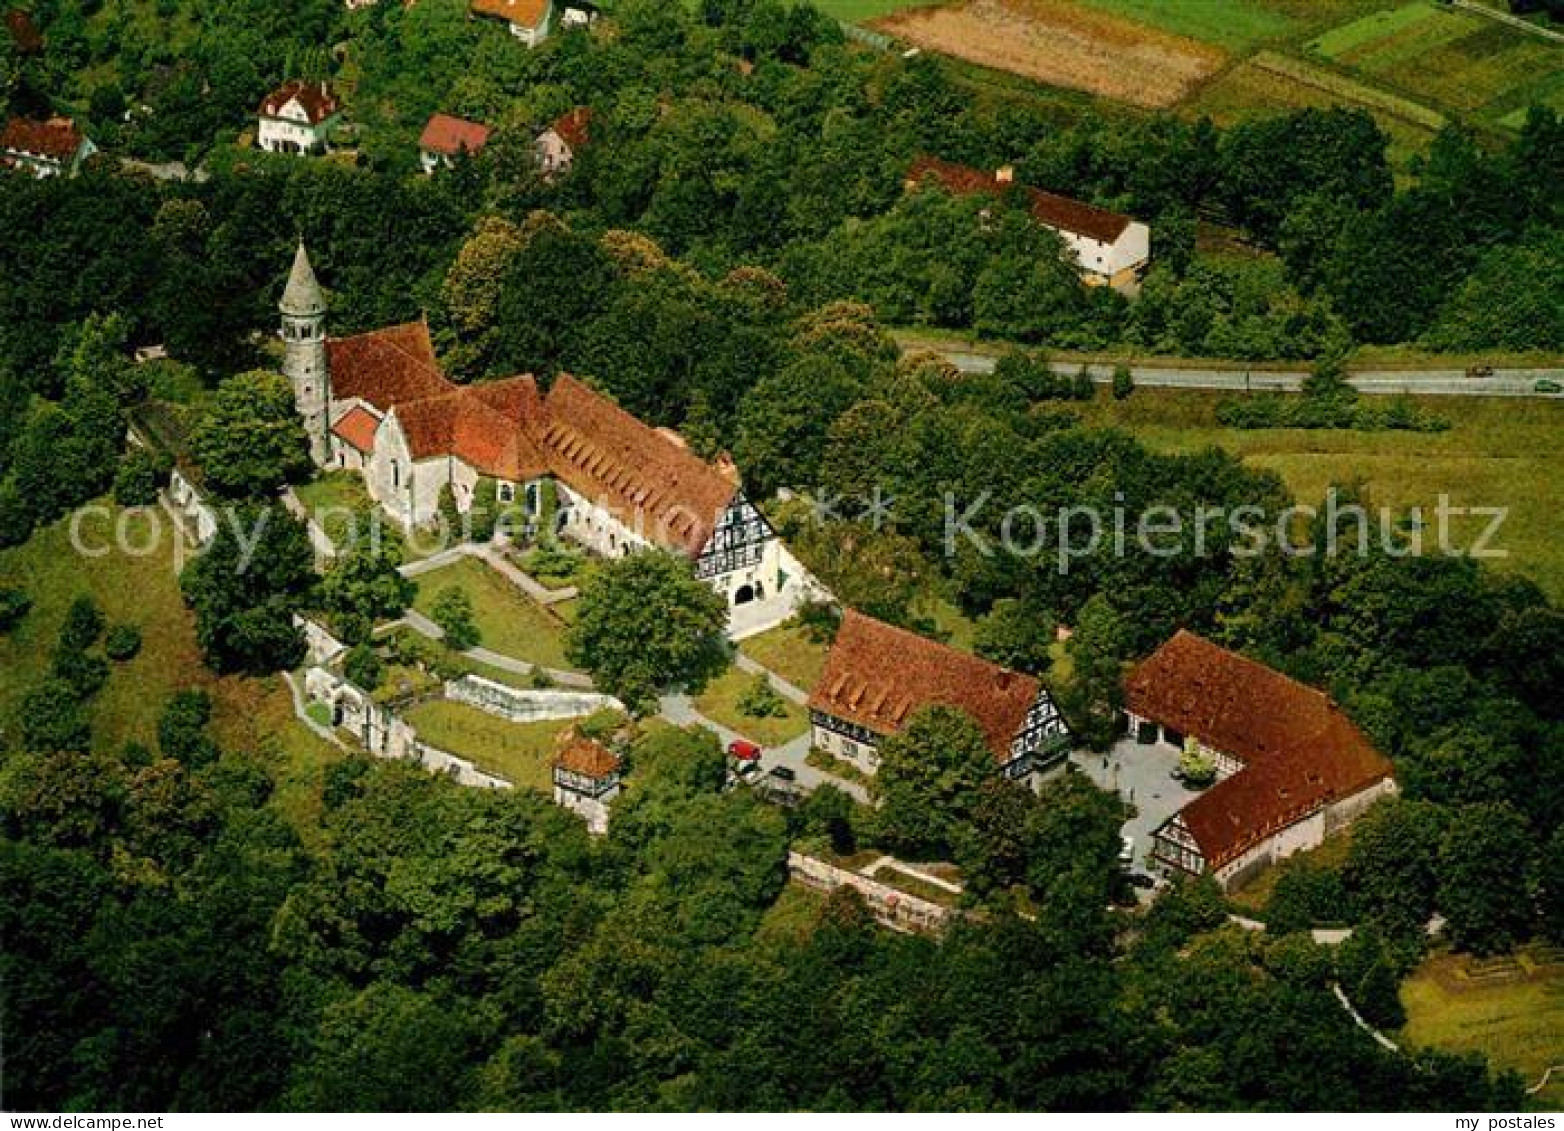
x,y
1517,1024
509,622
1235,25
518,752
790,653
253,715
1498,452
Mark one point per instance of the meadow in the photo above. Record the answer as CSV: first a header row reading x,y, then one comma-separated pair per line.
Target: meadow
x,y
1497,453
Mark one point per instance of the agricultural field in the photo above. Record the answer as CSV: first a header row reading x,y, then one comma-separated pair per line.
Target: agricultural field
x,y
1064,44
1498,452
1233,25
862,11
1455,59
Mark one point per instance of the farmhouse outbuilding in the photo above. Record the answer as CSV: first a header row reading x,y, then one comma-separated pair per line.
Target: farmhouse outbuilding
x,y
50,148
877,676
446,137
1292,769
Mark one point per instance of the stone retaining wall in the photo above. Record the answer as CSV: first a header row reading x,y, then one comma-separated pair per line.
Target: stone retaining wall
x,y
892,908
526,706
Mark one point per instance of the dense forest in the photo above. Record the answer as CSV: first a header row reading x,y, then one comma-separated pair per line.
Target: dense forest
x,y
725,258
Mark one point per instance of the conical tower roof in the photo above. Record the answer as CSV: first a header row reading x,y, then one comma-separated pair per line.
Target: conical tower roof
x,y
302,297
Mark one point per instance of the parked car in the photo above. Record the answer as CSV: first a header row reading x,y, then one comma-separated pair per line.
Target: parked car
x,y
783,773
1479,371
1548,385
1127,851
1143,881
743,751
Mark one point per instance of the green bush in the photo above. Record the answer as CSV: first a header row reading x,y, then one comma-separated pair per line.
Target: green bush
x,y
760,700
14,605
452,611
1123,382
82,627
140,477
122,642
363,667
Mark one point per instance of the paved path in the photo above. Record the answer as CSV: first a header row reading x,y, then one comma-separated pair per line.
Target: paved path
x,y
1513,21
680,710
496,561
784,688
869,869
1386,382
421,624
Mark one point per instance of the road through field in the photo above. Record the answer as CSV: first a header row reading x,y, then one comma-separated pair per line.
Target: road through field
x,y
1423,382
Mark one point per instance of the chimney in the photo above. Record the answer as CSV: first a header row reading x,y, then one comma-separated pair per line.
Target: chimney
x,y
1005,175
727,468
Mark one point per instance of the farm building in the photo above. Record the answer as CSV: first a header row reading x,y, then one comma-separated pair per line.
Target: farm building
x,y
378,404
877,676
586,779
1291,768
533,21
298,117
1109,248
44,149
445,137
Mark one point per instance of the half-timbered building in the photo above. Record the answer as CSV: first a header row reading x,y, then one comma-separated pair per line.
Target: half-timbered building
x,y
587,778
877,676
378,404
1292,769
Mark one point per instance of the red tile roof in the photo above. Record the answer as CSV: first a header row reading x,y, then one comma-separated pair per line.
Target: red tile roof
x,y
58,138
574,128
450,136
317,98
877,675
358,427
1061,212
590,759
525,13
386,367
647,481
1299,750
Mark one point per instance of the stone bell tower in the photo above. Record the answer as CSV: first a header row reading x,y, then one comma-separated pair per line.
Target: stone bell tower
x,y
303,308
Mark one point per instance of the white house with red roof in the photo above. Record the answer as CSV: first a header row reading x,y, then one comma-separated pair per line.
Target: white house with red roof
x,y
378,404
1292,769
877,676
298,117
49,148
1110,249
446,137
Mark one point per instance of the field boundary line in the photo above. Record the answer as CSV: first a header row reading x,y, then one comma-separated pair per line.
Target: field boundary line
x,y
1513,21
1370,97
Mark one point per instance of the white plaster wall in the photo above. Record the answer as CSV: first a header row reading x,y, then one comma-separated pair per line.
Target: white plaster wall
x,y
866,758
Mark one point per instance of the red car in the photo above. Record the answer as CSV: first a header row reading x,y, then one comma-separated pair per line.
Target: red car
x,y
744,751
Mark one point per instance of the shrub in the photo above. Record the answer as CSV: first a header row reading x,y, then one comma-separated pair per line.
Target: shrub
x,y
140,477
14,605
540,679
1198,767
82,627
84,672
452,611
51,718
760,700
484,514
122,642
1083,388
1123,382
363,667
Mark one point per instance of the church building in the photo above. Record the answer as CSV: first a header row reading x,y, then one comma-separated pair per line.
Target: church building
x,y
877,676
378,404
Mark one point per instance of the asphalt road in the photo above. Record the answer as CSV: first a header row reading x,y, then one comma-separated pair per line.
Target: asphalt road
x,y
1423,382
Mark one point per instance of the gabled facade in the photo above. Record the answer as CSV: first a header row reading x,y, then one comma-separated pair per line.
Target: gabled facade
x,y
1110,249
1292,769
587,778
378,404
528,20
878,676
51,148
557,146
298,117
446,137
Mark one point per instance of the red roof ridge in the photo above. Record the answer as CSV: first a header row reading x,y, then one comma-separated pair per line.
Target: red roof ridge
x,y
1053,209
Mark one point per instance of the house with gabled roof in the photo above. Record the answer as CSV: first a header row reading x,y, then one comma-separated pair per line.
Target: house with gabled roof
x,y
1110,249
298,117
49,148
446,137
379,404
1292,769
557,146
587,778
877,676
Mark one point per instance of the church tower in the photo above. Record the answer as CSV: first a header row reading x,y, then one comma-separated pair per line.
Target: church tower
x,y
303,308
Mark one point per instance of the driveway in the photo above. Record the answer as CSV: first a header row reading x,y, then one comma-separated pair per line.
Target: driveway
x,y
679,710
1142,775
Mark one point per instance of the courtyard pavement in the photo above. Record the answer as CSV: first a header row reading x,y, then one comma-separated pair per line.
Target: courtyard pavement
x,y
1142,775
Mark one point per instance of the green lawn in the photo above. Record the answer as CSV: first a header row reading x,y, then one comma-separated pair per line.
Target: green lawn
x,y
720,703
1499,452
340,505
840,767
1517,1023
518,752
509,621
789,651
1255,896
249,714
862,11
1235,25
